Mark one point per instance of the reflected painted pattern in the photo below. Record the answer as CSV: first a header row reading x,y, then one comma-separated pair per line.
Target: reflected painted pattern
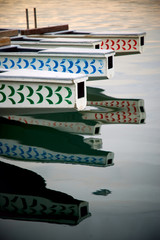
x,y
43,144
56,128
122,116
14,150
24,196
107,110
114,110
61,123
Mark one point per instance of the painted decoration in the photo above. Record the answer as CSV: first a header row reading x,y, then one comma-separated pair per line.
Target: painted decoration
x,y
39,95
120,44
89,66
129,104
11,149
72,127
114,110
115,117
58,146
27,198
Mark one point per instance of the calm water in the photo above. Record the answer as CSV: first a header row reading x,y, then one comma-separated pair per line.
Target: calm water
x,y
128,206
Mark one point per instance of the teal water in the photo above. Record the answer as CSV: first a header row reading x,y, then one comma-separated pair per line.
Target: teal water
x,y
123,199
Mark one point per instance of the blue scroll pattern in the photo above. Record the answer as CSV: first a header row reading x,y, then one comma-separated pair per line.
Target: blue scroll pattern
x,y
25,152
83,66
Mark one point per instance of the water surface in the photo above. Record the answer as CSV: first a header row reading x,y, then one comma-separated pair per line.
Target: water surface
x,y
123,199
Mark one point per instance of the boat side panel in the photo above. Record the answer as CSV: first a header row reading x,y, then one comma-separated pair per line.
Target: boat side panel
x,y
91,66
36,95
120,43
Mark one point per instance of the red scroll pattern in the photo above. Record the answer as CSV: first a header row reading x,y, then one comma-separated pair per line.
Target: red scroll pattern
x,y
123,111
65,126
129,105
118,117
120,45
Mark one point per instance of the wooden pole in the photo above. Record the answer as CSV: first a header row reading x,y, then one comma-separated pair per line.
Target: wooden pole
x,y
35,18
27,18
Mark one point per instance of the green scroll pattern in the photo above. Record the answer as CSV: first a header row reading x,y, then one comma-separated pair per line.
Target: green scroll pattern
x,y
27,93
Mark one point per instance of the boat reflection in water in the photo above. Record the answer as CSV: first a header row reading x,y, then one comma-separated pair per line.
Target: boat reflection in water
x,y
103,109
20,141
52,138
24,196
114,110
57,138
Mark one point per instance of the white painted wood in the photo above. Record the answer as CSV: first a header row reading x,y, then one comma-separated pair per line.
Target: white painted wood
x,y
40,91
123,43
25,41
95,63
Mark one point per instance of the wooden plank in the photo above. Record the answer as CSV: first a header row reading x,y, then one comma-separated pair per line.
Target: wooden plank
x,y
44,30
4,41
8,33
